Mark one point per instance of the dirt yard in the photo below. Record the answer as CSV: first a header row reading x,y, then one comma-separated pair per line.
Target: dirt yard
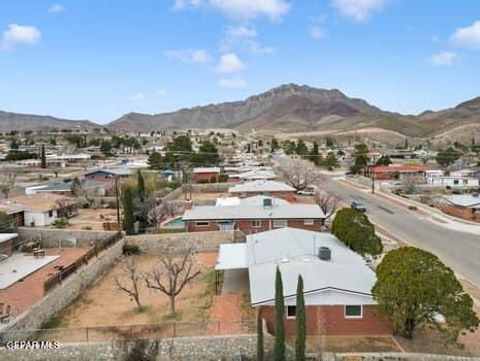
x,y
345,344
93,218
104,304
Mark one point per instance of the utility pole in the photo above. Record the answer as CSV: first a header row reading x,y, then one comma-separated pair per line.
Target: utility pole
x,y
372,170
118,201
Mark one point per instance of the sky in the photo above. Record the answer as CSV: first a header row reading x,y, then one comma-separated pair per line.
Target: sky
x,y
100,59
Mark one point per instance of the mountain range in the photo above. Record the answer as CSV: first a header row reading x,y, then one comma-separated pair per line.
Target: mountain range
x,y
288,108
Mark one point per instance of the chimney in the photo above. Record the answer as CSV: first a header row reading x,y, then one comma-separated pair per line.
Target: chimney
x,y
325,253
188,204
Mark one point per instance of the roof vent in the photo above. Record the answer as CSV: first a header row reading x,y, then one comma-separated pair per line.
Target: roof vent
x,y
267,202
324,253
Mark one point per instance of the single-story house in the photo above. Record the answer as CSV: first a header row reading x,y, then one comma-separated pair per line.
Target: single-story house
x,y
453,182
395,171
262,173
108,175
206,174
91,187
263,187
337,281
13,210
253,215
464,206
42,209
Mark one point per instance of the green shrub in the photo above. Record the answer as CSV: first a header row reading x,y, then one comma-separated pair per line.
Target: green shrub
x,y
131,249
60,222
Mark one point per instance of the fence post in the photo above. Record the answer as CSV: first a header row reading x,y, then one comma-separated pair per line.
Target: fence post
x,y
86,333
218,328
174,329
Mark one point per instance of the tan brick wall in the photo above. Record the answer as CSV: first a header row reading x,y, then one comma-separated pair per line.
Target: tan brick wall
x,y
330,320
460,212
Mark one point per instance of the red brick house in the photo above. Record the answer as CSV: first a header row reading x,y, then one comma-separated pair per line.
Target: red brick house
x,y
393,171
464,206
253,215
209,174
263,187
337,281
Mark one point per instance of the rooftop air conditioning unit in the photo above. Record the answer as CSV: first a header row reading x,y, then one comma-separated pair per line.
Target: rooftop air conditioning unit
x,y
325,253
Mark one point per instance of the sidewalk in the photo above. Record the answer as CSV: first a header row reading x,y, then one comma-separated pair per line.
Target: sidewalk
x,y
431,214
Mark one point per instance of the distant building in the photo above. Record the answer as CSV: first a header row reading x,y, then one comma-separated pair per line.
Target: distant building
x,y
108,175
452,182
337,282
464,206
390,172
206,174
263,187
91,187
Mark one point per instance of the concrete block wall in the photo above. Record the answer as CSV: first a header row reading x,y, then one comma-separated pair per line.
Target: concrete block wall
x,y
202,241
61,296
51,237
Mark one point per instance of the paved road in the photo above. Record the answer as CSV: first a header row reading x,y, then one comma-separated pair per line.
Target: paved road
x,y
459,250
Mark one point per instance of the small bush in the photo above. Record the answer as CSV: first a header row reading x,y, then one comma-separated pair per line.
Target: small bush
x,y
131,249
60,222
412,208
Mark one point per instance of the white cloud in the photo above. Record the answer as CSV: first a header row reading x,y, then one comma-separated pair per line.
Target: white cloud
x,y
162,92
317,32
240,9
358,10
138,97
444,58
194,56
435,39
56,8
467,37
243,38
19,35
186,4
230,63
232,83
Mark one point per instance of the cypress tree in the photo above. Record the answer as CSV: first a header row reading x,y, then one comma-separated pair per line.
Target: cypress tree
x,y
128,210
301,322
260,355
43,157
141,186
279,348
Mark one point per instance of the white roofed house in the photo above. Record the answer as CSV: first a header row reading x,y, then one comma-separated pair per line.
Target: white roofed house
x,y
464,206
263,187
253,215
337,281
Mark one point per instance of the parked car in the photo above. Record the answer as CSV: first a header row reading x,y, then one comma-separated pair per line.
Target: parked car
x,y
358,206
307,191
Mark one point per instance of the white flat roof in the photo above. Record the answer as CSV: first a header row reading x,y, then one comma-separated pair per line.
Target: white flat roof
x,y
19,266
232,256
7,236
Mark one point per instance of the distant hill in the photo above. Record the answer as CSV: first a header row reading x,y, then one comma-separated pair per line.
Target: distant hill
x,y
295,108
289,108
21,122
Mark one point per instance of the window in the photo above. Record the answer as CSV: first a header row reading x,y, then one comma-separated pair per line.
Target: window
x,y
455,181
279,223
308,222
256,223
50,213
202,224
353,311
291,311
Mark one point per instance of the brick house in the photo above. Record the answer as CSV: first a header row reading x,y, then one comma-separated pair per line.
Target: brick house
x,y
393,171
208,174
108,175
253,215
263,187
337,282
464,206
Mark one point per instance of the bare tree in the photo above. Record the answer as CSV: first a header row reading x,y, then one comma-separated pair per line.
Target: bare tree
x,y
327,203
298,172
7,182
157,213
80,191
175,271
128,281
